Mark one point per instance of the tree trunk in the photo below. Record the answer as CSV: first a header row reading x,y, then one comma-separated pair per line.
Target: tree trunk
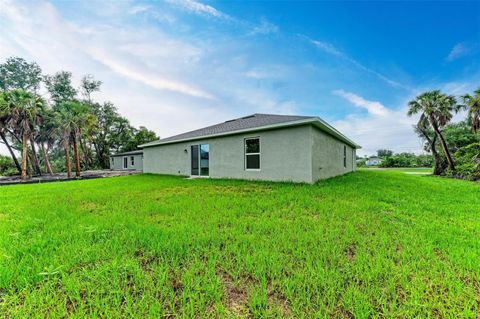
x,y
24,156
439,165
67,159
443,144
85,151
48,167
15,160
77,157
35,163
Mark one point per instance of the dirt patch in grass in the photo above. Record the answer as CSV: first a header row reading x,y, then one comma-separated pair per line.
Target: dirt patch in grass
x,y
240,190
274,297
350,252
439,254
341,312
145,260
236,297
92,207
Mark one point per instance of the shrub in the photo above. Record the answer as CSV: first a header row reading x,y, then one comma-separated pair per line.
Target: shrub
x,y
7,167
407,160
467,160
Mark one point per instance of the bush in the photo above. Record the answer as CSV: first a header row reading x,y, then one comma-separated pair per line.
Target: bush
x,y
407,160
467,161
7,167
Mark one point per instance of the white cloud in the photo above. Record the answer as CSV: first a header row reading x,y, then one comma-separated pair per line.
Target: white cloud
x,y
384,127
331,49
144,75
199,8
373,107
138,9
380,128
459,50
265,27
168,83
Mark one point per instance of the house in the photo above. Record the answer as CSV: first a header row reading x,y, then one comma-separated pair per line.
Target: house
x,y
132,161
257,147
373,160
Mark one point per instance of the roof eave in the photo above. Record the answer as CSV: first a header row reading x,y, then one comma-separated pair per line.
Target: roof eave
x,y
314,120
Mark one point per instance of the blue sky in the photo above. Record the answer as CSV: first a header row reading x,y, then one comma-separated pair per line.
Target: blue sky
x,y
177,65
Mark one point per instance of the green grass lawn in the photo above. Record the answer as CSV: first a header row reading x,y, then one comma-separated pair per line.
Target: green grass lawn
x,y
404,169
368,244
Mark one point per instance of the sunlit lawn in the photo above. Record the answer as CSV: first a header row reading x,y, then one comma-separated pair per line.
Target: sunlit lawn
x,y
402,169
369,244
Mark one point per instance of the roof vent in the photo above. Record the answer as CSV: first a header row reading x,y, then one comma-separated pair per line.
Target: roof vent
x,y
249,116
229,121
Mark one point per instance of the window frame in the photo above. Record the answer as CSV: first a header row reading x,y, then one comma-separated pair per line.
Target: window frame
x,y
123,164
344,156
245,154
132,161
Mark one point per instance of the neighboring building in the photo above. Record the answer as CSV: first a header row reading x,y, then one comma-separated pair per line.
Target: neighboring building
x,y
257,147
131,161
374,160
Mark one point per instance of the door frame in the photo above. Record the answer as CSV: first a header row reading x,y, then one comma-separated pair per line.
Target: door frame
x,y
199,159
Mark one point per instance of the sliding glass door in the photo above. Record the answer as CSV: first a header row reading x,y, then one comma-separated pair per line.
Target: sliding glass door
x,y
195,162
200,156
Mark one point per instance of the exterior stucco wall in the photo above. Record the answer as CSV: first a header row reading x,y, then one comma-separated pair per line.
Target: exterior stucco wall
x,y
285,156
116,163
327,159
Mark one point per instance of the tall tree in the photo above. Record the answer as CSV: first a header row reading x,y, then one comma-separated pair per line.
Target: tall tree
x,y
384,153
5,117
438,108
63,129
75,117
140,136
60,86
426,133
26,110
88,85
472,104
16,73
46,137
112,133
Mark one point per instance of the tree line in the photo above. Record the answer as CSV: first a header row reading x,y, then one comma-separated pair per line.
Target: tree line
x,y
46,133
455,147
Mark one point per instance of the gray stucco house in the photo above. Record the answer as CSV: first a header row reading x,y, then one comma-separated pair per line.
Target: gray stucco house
x,y
258,147
128,161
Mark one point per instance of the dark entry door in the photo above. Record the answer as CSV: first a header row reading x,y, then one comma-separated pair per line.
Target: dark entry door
x,y
194,156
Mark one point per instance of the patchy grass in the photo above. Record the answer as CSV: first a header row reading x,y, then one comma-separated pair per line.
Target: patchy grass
x,y
369,244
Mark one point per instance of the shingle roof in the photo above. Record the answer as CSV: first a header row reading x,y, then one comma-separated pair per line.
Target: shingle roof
x,y
136,152
246,123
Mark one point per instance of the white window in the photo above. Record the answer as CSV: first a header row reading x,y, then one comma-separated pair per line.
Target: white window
x,y
344,156
125,162
132,160
252,153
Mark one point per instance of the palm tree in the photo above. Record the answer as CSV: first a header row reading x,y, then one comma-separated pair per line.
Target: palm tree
x,y
4,123
74,117
438,109
83,120
63,129
472,104
422,128
26,109
46,137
